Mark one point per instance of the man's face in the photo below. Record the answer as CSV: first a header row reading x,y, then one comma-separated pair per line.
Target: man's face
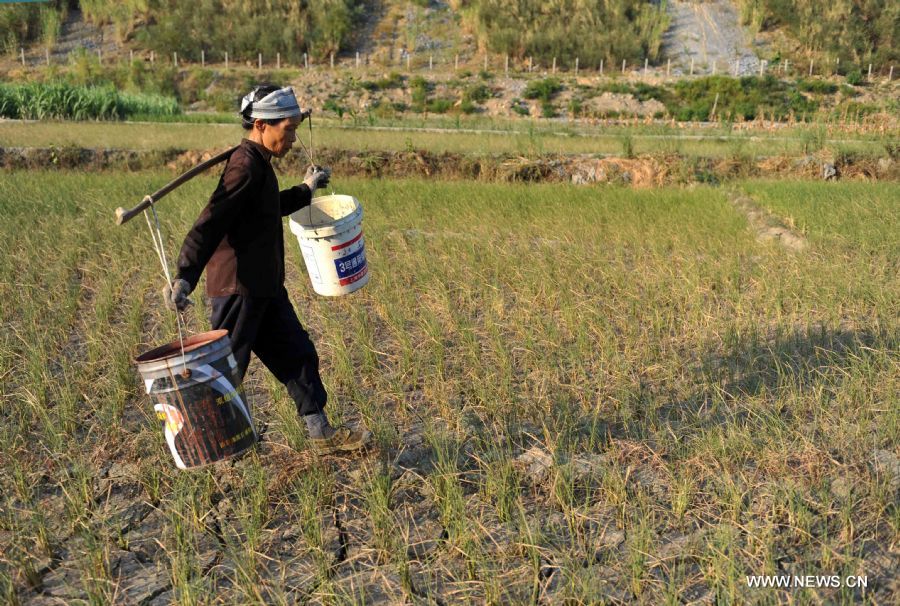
x,y
279,138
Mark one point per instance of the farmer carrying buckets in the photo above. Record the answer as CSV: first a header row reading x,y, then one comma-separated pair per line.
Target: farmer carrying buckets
x,y
238,239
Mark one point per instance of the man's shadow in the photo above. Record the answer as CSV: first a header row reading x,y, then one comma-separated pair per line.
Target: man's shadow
x,y
758,365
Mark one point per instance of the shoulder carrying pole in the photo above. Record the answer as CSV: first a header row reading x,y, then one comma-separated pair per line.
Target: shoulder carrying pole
x,y
123,216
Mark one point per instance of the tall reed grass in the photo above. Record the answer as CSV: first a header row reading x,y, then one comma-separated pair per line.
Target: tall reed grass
x,y
40,101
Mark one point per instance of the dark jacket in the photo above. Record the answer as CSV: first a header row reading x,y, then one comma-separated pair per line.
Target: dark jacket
x,y
239,236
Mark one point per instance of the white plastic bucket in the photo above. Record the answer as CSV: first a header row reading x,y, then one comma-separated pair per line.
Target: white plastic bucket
x,y
330,235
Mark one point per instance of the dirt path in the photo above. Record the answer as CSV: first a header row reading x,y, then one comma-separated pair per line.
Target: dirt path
x,y
710,33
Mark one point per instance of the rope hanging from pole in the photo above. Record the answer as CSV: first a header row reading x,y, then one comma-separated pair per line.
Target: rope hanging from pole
x,y
159,247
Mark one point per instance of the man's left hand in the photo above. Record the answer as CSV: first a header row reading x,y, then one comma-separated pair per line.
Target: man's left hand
x,y
316,177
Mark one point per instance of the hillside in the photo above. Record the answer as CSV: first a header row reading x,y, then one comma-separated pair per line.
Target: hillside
x,y
385,31
447,57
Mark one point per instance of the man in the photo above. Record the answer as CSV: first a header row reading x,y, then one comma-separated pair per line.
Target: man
x,y
238,239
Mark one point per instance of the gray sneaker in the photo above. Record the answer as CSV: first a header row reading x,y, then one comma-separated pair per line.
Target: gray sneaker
x,y
344,439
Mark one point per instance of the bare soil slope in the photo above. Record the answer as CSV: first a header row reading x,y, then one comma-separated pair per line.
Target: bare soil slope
x,y
710,33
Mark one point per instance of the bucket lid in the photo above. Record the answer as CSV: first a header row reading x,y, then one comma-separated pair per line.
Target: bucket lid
x,y
173,349
326,216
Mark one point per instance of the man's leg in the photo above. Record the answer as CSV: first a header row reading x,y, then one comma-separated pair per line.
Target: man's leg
x,y
284,346
241,316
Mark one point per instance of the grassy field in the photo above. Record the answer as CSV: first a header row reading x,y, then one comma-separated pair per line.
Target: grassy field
x,y
478,136
579,395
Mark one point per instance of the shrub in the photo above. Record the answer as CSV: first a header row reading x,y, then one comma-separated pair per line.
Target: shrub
x,y
855,77
627,145
575,107
419,89
520,108
744,97
548,110
620,88
820,87
440,106
332,105
544,89
477,93
392,80
467,107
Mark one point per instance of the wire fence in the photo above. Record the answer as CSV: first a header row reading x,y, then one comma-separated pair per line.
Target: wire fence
x,y
424,63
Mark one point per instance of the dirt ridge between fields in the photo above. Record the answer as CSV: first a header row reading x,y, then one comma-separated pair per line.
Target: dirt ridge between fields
x,y
578,169
768,226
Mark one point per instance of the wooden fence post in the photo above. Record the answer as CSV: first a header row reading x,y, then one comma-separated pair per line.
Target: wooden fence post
x,y
277,60
577,59
554,65
623,66
226,60
601,67
692,66
259,61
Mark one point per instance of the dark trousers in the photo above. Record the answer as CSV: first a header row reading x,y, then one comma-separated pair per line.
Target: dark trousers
x,y
268,326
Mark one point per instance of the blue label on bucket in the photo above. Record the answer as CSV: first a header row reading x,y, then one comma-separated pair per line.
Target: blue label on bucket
x,y
351,264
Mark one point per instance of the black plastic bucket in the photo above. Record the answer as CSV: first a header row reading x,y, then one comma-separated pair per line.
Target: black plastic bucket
x,y
199,399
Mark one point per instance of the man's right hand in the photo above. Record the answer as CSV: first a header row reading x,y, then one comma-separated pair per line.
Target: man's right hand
x,y
175,295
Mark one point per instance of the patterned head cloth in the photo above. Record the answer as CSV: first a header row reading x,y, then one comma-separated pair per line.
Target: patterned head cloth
x,y
278,104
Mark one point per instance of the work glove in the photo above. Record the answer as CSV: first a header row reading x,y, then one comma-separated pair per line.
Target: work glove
x,y
175,295
316,177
